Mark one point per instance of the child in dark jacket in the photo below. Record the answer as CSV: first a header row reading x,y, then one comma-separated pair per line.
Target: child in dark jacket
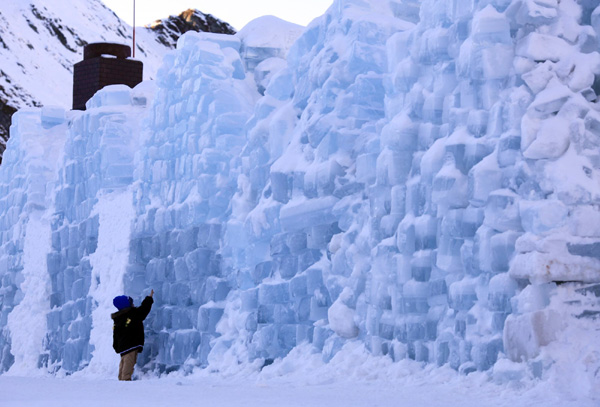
x,y
128,331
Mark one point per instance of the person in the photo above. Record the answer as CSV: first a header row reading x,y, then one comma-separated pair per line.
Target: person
x,y
128,331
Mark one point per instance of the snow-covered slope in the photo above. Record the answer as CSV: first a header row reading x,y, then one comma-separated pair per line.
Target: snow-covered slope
x,y
40,41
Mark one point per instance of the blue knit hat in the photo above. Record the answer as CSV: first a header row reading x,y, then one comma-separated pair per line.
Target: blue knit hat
x,y
122,302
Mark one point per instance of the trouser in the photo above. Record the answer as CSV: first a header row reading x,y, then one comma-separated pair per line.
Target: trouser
x,y
127,363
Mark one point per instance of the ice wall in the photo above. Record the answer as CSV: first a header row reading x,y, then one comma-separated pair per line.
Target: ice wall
x,y
416,176
299,187
188,173
27,180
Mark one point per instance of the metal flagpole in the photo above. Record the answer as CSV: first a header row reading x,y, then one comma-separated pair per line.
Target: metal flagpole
x,y
133,28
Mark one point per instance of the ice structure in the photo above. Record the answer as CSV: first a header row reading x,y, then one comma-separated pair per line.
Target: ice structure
x,y
416,176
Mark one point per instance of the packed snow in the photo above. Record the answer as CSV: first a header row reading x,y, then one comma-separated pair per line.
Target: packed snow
x,y
353,377
402,200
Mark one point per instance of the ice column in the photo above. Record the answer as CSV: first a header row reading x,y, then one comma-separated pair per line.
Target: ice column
x,y
187,175
27,178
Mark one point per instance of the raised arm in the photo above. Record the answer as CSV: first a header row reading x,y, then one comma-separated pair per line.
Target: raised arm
x,y
144,309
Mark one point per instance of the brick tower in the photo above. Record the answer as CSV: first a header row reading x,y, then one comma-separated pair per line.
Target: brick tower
x,y
103,64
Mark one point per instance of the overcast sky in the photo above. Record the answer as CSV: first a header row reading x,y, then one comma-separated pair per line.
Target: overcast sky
x,y
235,12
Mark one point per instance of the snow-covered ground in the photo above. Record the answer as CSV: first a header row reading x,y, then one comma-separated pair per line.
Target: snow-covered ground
x,y
423,389
352,378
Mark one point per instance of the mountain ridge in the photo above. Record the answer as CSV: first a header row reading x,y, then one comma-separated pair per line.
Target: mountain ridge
x,y
169,29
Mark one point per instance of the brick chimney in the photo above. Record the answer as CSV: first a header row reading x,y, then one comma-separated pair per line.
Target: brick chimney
x,y
103,64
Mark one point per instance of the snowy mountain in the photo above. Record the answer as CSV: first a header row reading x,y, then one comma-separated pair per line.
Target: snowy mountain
x,y
400,179
40,42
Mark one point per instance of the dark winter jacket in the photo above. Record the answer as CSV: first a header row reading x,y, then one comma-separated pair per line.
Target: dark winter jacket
x,y
128,329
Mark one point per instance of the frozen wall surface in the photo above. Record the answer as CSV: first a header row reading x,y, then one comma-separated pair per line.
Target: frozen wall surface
x,y
421,177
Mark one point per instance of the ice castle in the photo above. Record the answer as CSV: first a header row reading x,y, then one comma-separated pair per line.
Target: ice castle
x,y
419,176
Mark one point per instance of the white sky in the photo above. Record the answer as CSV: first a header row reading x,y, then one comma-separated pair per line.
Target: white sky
x,y
235,12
